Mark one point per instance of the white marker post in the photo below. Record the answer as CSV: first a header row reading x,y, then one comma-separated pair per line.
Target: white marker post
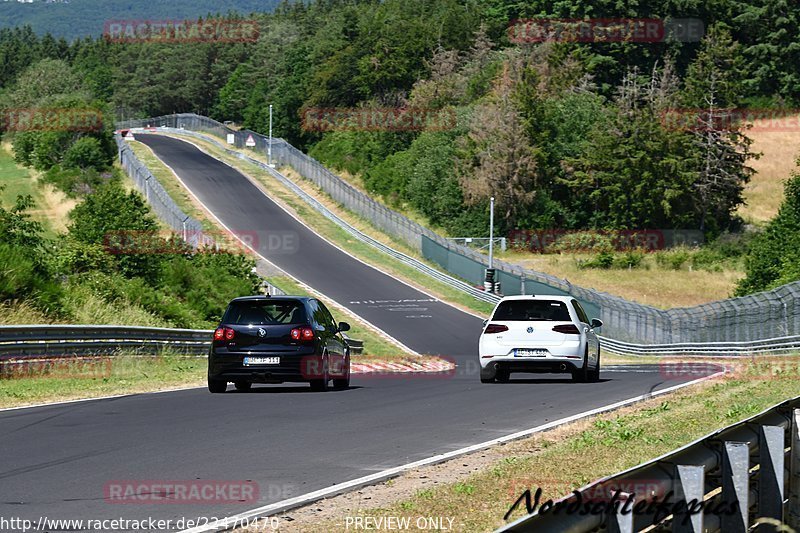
x,y
269,146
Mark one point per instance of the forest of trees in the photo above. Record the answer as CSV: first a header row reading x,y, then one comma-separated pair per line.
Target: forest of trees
x,y
565,135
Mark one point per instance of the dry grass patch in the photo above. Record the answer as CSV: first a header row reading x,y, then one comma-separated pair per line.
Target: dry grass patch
x,y
764,193
651,285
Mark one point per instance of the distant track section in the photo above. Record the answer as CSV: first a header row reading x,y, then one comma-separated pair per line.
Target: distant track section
x,y
413,317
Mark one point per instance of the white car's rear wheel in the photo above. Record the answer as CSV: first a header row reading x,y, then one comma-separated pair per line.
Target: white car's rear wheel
x,y
581,375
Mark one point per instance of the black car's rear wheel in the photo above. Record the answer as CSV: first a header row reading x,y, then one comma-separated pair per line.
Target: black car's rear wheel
x,y
243,385
217,386
321,385
343,382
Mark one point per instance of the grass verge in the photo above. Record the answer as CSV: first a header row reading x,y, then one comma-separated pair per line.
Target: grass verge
x,y
51,206
476,491
336,235
124,373
174,189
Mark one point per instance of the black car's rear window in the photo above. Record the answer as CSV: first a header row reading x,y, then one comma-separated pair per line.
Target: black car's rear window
x,y
551,310
266,312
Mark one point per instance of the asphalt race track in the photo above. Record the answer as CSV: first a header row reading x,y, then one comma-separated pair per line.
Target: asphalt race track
x,y
405,313
57,461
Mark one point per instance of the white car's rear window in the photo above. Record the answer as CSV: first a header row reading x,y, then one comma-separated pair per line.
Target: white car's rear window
x,y
517,310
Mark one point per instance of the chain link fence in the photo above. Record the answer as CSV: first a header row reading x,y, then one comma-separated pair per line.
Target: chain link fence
x,y
764,315
165,208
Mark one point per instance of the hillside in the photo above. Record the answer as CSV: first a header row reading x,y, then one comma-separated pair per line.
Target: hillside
x,y
80,18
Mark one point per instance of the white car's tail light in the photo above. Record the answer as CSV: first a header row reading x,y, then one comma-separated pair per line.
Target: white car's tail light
x,y
567,329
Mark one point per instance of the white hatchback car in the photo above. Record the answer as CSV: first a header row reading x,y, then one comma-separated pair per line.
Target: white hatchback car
x,y
539,334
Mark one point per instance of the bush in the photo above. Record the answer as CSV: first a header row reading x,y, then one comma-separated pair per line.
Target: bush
x,y
111,213
583,241
604,260
74,181
672,259
630,259
85,153
23,277
775,253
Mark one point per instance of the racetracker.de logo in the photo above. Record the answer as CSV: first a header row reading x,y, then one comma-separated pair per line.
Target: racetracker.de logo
x,y
378,119
703,120
162,491
181,31
605,30
51,119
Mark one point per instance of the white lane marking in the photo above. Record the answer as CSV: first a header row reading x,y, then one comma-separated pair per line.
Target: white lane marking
x,y
303,499
260,187
246,244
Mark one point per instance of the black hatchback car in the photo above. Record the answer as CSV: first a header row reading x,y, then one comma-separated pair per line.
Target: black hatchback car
x,y
277,339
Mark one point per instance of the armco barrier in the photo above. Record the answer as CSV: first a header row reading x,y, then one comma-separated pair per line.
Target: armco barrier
x,y
721,482
67,340
764,315
59,340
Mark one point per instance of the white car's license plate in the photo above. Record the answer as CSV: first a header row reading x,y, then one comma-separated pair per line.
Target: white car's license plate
x,y
261,361
521,352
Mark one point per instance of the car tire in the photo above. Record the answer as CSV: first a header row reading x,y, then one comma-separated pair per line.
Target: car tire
x,y
487,375
502,375
217,386
242,385
321,385
581,375
594,375
343,383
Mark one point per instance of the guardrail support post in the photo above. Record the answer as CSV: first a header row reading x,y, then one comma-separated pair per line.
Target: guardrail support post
x,y
793,513
620,522
770,476
735,486
689,487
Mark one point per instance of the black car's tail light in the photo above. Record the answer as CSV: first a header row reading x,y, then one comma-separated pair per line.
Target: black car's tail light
x,y
224,333
567,329
495,328
302,334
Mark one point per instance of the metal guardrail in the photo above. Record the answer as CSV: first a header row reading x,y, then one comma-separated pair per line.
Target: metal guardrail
x,y
401,257
58,340
716,483
26,341
717,349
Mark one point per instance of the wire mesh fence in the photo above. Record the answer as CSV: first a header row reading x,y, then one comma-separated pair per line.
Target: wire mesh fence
x,y
764,315
188,228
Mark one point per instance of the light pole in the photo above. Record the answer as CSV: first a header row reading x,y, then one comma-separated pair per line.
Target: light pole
x,y
269,147
489,283
491,232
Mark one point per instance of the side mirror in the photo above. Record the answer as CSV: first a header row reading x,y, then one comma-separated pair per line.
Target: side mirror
x,y
485,322
597,323
344,326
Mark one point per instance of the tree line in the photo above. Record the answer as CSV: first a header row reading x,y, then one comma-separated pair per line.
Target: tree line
x,y
572,135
